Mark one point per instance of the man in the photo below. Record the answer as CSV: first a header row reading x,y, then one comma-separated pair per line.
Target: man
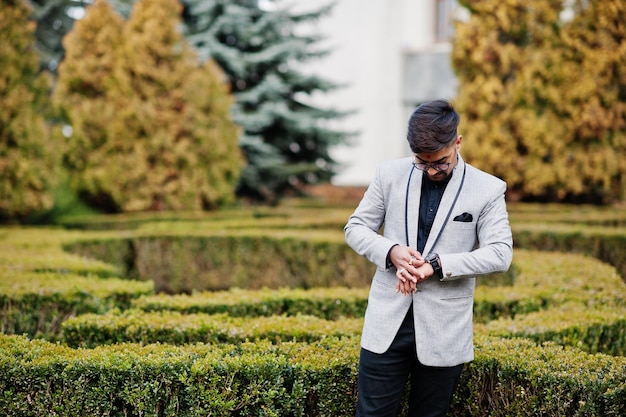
x,y
443,223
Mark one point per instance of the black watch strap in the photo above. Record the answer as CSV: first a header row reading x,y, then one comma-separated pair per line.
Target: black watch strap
x,y
433,260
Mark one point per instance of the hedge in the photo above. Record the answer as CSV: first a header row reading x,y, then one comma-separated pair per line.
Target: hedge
x,y
513,377
91,330
41,285
217,262
324,302
519,370
594,329
36,304
526,290
605,243
550,279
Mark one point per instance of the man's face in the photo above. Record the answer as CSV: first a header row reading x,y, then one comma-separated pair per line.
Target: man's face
x,y
438,166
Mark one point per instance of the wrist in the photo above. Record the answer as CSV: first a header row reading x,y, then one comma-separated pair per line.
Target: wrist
x,y
388,263
435,262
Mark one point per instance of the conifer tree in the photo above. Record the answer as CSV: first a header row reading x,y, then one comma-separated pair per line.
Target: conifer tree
x,y
286,140
161,137
532,84
87,78
28,160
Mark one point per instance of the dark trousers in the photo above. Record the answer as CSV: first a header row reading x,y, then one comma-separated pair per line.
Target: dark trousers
x,y
383,377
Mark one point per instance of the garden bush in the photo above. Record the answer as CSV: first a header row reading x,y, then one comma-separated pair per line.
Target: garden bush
x,y
324,302
549,334
513,377
90,330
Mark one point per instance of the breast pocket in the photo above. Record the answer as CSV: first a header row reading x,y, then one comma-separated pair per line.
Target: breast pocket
x,y
458,236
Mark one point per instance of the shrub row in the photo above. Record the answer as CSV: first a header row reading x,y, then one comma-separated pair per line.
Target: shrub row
x,y
323,302
307,214
261,379
511,377
516,377
41,285
587,291
606,244
91,330
598,330
587,215
549,279
594,329
36,304
526,290
286,216
216,262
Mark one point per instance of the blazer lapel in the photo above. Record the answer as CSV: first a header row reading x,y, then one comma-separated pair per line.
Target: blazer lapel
x,y
413,206
446,205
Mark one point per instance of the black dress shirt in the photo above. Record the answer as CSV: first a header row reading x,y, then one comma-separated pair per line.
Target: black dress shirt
x,y
429,203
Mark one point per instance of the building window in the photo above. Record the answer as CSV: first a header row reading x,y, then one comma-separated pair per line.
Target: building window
x,y
444,28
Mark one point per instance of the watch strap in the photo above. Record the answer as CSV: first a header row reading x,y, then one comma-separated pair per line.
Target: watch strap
x,y
433,260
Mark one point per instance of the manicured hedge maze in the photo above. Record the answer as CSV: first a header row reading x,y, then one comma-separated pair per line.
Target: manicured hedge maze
x,y
261,314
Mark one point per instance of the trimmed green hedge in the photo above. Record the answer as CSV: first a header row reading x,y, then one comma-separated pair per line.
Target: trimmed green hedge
x,y
550,279
547,298
91,330
605,243
516,377
592,328
325,302
36,304
512,377
261,379
526,290
216,262
41,285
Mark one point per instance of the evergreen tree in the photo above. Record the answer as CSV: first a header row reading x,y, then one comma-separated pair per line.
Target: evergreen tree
x,y
27,158
55,19
532,85
286,140
152,127
594,55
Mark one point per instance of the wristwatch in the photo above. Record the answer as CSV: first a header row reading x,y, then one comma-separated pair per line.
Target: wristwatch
x,y
433,260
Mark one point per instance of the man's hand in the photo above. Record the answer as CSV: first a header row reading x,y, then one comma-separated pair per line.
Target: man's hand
x,y
411,268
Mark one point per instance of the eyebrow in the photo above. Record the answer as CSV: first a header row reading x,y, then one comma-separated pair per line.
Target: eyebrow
x,y
433,162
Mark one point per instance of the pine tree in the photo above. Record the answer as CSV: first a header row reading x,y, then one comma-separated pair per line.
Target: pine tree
x,y
28,160
53,23
157,134
529,79
286,140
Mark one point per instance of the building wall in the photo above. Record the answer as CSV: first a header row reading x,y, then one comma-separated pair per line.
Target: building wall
x,y
386,54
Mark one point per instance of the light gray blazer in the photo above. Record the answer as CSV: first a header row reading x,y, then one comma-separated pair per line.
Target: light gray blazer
x,y
442,309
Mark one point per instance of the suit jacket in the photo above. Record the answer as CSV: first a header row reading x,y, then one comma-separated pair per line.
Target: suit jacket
x,y
471,234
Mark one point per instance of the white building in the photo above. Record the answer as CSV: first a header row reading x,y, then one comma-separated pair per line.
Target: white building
x,y
392,55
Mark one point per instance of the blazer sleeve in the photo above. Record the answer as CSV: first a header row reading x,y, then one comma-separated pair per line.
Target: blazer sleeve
x,y
494,250
363,226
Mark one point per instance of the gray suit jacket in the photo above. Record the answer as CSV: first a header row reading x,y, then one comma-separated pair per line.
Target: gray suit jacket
x,y
442,309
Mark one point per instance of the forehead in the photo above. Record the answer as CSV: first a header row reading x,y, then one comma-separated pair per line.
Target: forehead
x,y
441,154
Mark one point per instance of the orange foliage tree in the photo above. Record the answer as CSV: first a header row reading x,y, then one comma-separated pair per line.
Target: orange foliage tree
x,y
543,96
151,128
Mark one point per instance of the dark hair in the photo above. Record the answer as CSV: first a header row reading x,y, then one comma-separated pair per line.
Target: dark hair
x,y
432,127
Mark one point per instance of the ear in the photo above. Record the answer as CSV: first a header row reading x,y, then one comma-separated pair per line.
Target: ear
x,y
459,139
